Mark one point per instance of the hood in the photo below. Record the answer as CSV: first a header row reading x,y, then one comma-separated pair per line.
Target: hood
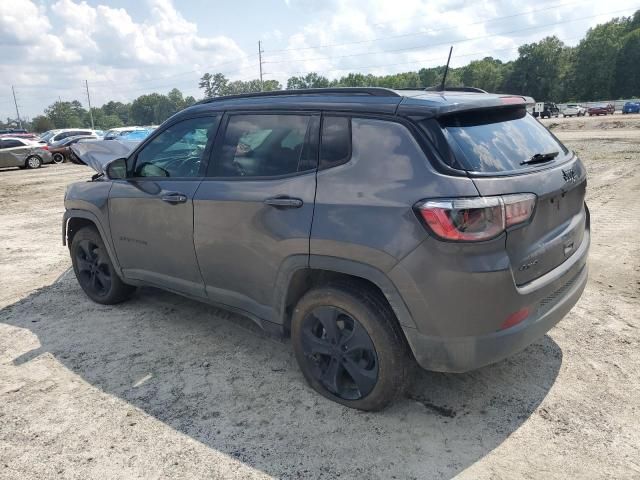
x,y
100,152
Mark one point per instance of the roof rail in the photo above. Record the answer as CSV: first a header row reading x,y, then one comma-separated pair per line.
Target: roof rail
x,y
455,89
373,91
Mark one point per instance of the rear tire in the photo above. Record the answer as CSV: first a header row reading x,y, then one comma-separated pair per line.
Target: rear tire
x,y
94,270
33,162
350,346
58,158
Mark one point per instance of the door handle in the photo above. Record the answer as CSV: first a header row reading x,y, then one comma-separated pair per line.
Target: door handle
x,y
284,202
174,197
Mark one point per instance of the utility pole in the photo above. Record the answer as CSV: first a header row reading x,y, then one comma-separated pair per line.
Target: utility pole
x,y
89,100
16,103
260,60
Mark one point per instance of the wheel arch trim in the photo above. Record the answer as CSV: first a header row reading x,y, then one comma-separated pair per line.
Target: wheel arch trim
x,y
74,213
296,263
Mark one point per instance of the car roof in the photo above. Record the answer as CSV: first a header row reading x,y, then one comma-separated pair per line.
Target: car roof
x,y
122,129
425,103
20,139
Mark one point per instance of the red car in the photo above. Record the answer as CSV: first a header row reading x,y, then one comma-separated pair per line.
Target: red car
x,y
601,109
27,136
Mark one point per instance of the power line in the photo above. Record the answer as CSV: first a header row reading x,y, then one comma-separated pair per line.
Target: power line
x,y
447,42
205,67
404,35
422,60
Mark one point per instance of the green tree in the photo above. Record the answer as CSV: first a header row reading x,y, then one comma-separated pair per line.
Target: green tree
x,y
596,57
41,124
66,114
176,98
111,121
213,85
537,69
432,77
310,80
628,65
354,80
487,74
121,110
143,109
163,108
271,85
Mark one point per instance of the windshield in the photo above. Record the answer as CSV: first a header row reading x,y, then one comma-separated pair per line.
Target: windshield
x,y
498,140
47,135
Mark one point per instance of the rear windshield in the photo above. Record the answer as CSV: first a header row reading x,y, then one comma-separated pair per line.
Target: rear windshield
x,y
499,140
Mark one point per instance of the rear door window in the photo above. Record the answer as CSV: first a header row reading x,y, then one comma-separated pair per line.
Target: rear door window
x,y
499,140
335,147
267,145
11,144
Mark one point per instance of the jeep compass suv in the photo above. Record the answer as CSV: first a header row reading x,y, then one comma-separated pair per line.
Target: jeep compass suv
x,y
375,227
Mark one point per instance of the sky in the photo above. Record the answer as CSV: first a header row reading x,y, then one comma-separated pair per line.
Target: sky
x,y
124,49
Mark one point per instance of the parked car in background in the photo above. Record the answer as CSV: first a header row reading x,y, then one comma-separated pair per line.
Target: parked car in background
x,y
601,109
28,136
12,130
60,149
70,132
45,136
574,110
118,132
374,227
631,107
23,153
546,110
136,134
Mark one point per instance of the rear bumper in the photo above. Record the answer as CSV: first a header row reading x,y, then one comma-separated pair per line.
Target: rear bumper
x,y
461,354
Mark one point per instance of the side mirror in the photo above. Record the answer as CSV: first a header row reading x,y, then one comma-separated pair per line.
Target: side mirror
x,y
116,169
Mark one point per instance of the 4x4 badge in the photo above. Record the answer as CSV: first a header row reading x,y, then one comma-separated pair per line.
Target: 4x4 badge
x,y
569,175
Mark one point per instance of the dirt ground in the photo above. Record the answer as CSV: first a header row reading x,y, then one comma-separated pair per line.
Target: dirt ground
x,y
164,387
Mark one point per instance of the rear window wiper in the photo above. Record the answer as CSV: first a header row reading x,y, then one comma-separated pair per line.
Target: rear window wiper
x,y
540,158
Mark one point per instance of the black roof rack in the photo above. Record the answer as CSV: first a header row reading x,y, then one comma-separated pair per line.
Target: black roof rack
x,y
373,91
455,89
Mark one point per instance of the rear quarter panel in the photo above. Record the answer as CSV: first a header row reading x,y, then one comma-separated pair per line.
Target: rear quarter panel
x,y
364,208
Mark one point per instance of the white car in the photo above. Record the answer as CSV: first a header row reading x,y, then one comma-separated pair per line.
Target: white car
x,y
574,110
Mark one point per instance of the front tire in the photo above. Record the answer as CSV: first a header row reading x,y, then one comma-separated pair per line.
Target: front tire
x,y
33,162
94,270
350,346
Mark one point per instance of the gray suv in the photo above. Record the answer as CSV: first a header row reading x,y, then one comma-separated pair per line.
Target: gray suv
x,y
376,228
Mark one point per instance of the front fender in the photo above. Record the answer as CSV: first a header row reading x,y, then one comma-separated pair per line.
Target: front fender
x,y
106,238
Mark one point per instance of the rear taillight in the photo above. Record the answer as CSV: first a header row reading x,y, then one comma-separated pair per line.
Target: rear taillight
x,y
43,147
476,219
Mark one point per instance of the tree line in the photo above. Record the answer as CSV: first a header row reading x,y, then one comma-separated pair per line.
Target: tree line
x,y
150,109
604,65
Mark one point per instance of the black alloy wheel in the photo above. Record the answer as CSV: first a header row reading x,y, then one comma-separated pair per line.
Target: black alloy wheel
x,y
340,352
94,270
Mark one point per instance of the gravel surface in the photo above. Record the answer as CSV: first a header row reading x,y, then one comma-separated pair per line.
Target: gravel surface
x,y
164,387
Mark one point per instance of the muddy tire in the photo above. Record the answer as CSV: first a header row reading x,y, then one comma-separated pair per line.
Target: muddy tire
x,y
350,347
94,271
